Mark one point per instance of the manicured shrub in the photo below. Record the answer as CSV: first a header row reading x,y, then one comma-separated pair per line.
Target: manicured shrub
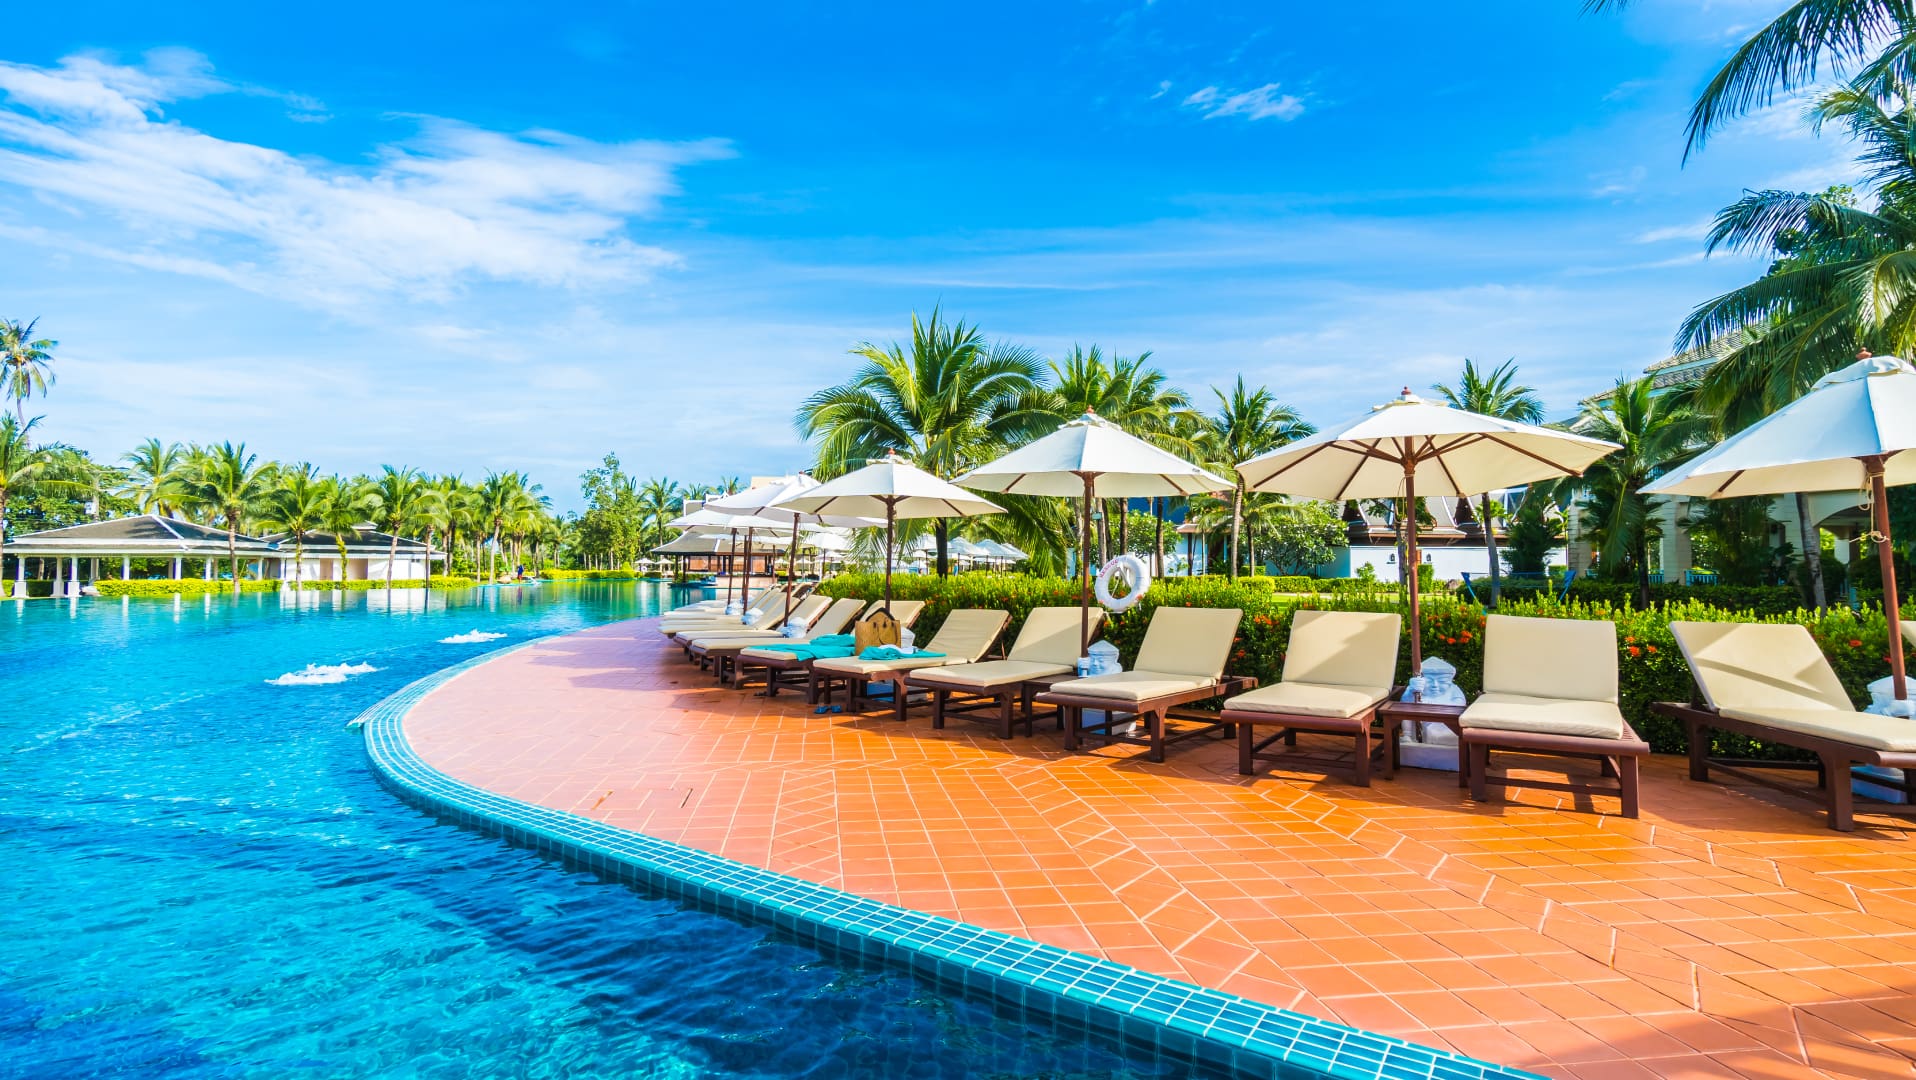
x,y
557,574
1650,666
168,587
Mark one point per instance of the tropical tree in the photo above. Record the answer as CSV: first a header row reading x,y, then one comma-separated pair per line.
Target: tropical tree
x,y
29,365
503,499
659,502
230,484
948,401
345,506
297,504
21,467
1876,39
1138,398
1248,423
153,473
401,500
1494,393
456,513
1655,432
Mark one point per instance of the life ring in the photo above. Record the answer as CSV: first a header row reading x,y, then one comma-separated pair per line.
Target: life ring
x,y
1134,571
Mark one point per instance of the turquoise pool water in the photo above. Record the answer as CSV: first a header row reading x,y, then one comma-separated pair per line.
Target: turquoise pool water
x,y
204,880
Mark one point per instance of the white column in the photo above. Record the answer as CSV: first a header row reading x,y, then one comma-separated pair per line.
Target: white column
x,y
73,587
59,575
176,568
20,577
126,567
207,573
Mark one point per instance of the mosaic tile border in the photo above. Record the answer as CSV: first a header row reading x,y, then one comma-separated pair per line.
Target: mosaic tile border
x,y
1193,1023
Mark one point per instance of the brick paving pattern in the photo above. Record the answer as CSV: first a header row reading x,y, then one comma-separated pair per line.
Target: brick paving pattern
x,y
1727,933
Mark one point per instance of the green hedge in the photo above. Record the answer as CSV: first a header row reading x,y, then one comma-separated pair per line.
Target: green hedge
x,y
555,574
1650,666
166,587
1763,599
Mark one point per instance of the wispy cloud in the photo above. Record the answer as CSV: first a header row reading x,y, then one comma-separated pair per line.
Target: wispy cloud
x,y
449,205
1695,230
1262,103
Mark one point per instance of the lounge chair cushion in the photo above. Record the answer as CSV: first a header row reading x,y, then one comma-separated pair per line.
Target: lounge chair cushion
x,y
1188,641
1566,659
967,633
1135,686
1051,635
1891,733
1760,666
1292,698
1342,648
852,665
1547,715
992,674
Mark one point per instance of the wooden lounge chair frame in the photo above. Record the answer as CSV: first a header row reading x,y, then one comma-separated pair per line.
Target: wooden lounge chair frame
x,y
722,659
1835,763
1617,761
1617,758
1366,743
821,684
794,672
1011,703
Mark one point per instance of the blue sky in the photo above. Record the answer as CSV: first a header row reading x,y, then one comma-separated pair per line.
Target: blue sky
x,y
476,236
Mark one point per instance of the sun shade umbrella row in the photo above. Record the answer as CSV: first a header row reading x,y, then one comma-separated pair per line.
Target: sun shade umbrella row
x,y
762,502
1410,446
1089,459
889,489
1853,431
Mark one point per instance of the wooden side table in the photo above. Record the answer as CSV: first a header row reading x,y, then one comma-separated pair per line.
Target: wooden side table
x,y
1395,714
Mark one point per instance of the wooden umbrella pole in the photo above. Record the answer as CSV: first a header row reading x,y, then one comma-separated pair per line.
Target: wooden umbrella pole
x,y
1886,558
1413,566
891,514
1084,572
791,569
731,566
745,587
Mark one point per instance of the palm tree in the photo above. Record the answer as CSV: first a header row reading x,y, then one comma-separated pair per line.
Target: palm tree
x,y
230,484
1877,38
401,499
1494,394
1135,396
1655,432
502,499
21,467
344,508
457,511
1248,423
659,502
298,505
154,469
28,363
947,402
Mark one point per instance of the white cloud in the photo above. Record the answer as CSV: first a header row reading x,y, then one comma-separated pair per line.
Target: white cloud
x,y
1695,230
450,205
1163,89
1262,103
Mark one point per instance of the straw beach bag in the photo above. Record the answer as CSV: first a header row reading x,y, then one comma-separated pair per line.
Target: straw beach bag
x,y
878,628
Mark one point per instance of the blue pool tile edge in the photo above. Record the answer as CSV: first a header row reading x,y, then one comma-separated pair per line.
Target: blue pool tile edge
x,y
1223,1031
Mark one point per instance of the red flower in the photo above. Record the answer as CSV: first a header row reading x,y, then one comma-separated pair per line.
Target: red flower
x,y
1652,648
1465,635
1855,643
1634,651
1629,641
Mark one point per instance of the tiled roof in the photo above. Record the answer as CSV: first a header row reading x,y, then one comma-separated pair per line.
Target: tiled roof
x,y
137,534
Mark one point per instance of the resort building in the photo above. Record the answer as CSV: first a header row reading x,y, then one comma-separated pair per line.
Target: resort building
x,y
154,545
1451,543
365,552
1843,514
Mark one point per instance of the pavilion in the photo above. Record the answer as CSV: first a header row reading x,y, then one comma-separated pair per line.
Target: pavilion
x,y
147,536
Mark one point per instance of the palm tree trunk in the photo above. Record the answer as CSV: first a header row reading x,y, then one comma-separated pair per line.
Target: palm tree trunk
x,y
1157,536
1237,523
392,556
1812,550
941,529
3,547
1643,571
232,558
1490,546
299,561
492,561
430,529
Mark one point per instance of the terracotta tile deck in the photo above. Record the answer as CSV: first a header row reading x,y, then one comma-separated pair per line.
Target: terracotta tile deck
x,y
1727,933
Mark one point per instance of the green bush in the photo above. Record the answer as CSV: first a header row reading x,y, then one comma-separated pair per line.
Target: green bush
x,y
35,587
556,574
166,587
1763,599
1650,667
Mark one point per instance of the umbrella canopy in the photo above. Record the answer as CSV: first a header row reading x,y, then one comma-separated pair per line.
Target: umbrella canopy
x,y
1410,445
1854,431
762,500
1091,458
890,488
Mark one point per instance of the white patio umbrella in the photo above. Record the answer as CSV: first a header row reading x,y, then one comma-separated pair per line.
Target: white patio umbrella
x,y
1408,444
707,518
1090,458
890,488
762,501
1853,431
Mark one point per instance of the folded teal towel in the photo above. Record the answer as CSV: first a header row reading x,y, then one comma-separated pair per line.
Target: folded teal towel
x,y
890,652
813,650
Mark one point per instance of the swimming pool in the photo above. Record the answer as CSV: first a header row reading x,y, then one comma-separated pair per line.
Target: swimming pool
x,y
205,880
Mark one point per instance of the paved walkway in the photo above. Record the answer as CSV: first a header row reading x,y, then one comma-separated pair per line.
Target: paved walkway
x,y
1721,935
